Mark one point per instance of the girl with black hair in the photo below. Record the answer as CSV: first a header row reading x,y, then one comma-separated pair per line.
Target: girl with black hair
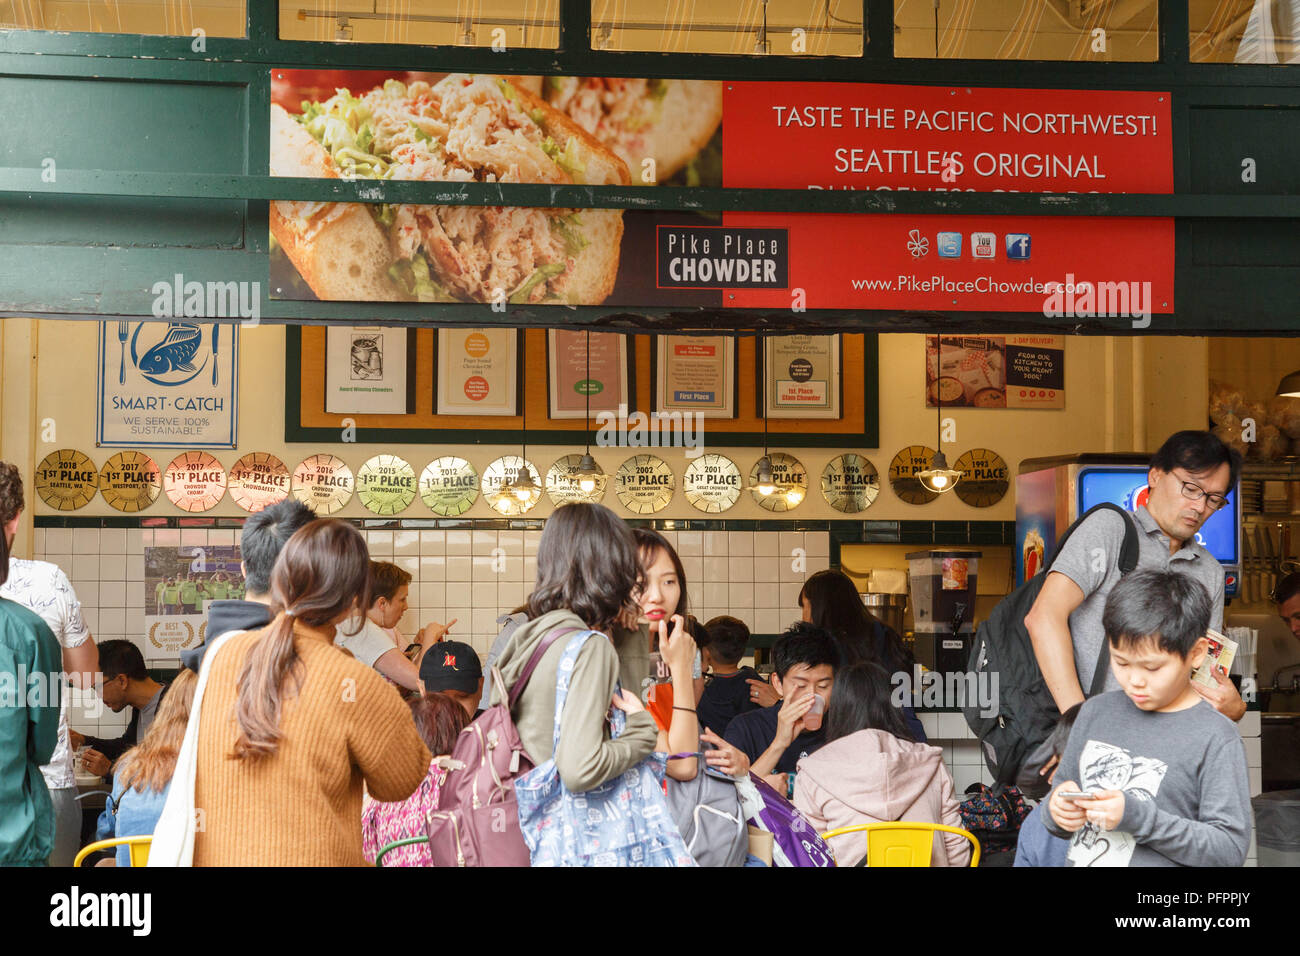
x,y
830,600
871,771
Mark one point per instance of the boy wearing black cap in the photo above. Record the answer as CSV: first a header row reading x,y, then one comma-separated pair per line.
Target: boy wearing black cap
x,y
453,668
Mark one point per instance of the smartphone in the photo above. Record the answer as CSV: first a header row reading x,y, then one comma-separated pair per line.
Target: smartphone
x,y
1076,795
412,651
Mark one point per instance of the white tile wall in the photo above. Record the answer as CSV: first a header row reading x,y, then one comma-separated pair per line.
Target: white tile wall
x,y
473,576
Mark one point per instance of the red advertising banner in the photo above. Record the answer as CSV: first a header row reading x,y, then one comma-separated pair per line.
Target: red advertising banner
x,y
621,131
941,139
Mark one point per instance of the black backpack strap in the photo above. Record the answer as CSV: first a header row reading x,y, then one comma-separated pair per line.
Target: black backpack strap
x,y
1128,559
1128,552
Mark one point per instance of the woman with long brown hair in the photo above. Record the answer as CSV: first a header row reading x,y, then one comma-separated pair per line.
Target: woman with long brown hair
x,y
291,726
587,571
143,774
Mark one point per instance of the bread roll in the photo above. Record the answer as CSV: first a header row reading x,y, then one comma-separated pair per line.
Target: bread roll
x,y
338,248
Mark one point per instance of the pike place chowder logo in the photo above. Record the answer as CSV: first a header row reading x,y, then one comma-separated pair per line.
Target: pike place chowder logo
x,y
172,354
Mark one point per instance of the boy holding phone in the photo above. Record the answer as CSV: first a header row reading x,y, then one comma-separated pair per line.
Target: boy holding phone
x,y
1153,775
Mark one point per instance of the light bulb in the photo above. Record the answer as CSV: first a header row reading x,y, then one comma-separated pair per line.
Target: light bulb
x,y
765,488
522,493
587,484
940,481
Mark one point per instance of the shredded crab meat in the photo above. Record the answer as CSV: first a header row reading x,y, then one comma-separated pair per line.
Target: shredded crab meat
x,y
479,251
616,110
471,131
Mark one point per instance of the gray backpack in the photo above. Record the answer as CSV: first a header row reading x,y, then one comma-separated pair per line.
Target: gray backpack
x,y
709,817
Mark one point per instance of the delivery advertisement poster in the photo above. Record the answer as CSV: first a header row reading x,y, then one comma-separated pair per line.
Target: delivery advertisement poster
x,y
995,371
636,132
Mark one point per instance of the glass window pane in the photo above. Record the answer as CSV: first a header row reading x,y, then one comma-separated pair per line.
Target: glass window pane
x,y
778,27
1244,31
1107,30
500,24
216,18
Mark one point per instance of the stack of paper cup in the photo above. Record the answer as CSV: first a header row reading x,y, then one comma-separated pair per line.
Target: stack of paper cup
x,y
1247,639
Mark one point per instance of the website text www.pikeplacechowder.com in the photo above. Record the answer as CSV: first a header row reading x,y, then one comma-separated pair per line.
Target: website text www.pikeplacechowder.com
x,y
1069,298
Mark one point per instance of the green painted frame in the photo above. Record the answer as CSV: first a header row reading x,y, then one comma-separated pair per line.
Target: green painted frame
x,y
1210,295
294,431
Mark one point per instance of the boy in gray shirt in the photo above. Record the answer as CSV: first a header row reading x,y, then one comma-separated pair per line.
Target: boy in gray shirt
x,y
1164,771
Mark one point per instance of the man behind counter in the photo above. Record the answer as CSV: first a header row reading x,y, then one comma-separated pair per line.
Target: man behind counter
x,y
126,683
1287,597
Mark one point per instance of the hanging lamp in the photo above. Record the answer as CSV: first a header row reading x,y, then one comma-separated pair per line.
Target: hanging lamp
x,y
588,473
764,483
938,477
1289,387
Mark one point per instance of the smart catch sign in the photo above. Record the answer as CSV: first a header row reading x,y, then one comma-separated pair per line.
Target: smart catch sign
x,y
168,384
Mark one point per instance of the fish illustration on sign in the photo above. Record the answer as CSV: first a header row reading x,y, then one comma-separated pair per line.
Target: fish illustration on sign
x,y
174,353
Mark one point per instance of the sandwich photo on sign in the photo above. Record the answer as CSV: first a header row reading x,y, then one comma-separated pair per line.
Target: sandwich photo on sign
x,y
658,127
461,128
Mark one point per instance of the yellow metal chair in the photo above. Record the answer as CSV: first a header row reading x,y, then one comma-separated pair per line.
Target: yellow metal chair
x,y
903,843
139,849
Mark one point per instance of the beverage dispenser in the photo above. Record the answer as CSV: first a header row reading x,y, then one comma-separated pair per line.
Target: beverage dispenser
x,y
943,606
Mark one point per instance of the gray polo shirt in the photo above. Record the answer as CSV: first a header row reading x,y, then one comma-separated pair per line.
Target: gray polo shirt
x,y
1091,560
147,714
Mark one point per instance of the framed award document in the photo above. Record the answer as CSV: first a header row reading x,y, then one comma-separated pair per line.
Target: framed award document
x,y
477,372
572,377
801,376
369,369
695,373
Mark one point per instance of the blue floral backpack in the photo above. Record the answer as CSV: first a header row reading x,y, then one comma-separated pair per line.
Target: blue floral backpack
x,y
623,822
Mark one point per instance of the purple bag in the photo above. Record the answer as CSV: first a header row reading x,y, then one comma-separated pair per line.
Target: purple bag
x,y
795,841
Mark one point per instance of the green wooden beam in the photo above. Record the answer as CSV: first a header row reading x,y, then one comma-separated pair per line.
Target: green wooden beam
x,y
25,181
76,48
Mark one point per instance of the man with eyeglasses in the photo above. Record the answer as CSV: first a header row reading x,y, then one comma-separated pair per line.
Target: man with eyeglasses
x,y
1189,478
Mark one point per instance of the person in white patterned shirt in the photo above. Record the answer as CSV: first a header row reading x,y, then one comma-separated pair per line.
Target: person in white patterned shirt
x,y
43,587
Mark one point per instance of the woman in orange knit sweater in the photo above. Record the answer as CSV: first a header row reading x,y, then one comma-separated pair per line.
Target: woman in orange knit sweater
x,y
291,726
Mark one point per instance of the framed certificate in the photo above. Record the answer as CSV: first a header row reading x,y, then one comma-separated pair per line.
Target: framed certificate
x,y
571,378
477,372
369,369
801,376
695,373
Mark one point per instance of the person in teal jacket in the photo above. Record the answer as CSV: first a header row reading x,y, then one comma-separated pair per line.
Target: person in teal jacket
x,y
29,729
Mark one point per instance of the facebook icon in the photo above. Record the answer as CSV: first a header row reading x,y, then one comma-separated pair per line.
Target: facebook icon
x,y
1017,245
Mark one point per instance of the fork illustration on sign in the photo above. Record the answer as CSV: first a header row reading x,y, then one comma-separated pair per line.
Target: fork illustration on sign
x,y
122,332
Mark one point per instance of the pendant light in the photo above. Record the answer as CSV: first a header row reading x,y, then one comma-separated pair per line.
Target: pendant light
x,y
521,487
1289,387
588,473
938,477
764,483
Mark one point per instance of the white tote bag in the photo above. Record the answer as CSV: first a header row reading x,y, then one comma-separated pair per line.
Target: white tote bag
x,y
173,836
